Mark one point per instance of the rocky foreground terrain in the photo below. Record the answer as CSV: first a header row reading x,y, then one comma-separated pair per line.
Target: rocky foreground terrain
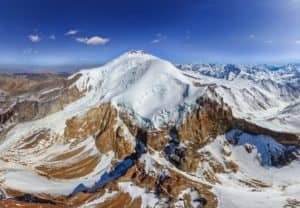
x,y
143,132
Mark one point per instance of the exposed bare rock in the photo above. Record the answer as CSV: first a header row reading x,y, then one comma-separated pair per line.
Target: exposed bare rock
x,y
6,115
281,137
101,123
17,84
75,170
17,204
8,119
32,96
94,123
166,186
127,118
206,122
232,166
33,109
158,139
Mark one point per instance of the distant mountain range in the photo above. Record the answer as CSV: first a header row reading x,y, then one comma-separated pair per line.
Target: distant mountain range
x,y
61,68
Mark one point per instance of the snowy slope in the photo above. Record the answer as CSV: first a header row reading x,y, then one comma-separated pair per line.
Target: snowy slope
x,y
258,93
153,88
253,185
270,151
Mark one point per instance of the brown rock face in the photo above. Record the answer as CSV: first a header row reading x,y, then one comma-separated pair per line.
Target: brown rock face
x,y
6,115
167,186
17,84
33,109
281,137
201,126
101,123
192,159
17,204
94,123
212,119
33,96
206,122
75,170
158,139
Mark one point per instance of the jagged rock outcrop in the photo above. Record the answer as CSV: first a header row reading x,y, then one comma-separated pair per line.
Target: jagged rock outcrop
x,y
207,121
102,124
281,137
201,126
6,115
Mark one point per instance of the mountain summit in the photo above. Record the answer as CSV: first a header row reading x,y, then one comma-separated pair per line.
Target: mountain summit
x,y
153,88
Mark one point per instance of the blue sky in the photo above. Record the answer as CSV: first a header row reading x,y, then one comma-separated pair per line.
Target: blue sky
x,y
62,32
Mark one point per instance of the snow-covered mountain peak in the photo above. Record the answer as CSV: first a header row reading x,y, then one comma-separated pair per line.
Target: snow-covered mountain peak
x,y
152,87
134,55
134,64
138,53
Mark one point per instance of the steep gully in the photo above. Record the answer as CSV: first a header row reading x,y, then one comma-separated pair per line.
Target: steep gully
x,y
120,169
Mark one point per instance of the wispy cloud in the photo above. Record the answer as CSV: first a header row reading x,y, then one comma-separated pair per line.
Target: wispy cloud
x,y
52,37
34,38
268,41
158,38
72,32
251,36
297,41
295,1
95,40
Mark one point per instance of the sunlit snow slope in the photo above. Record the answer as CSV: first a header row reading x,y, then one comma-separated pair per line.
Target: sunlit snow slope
x,y
153,88
267,95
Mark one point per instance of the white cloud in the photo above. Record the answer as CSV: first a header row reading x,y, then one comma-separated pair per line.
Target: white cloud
x,y
52,37
95,40
159,37
72,32
156,41
298,41
251,36
34,38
